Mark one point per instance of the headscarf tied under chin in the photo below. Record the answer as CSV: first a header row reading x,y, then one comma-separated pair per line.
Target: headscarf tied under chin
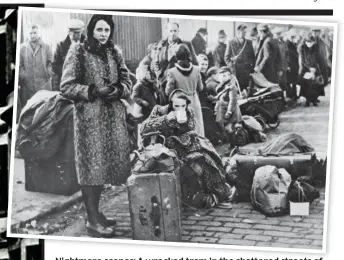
x,y
93,45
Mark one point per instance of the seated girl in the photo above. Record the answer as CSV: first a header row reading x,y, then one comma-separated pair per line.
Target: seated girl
x,y
199,160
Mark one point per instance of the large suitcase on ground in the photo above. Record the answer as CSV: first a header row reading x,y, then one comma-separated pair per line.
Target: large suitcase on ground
x,y
154,206
246,165
56,175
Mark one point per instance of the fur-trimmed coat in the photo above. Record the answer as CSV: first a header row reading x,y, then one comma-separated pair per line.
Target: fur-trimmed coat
x,y
101,136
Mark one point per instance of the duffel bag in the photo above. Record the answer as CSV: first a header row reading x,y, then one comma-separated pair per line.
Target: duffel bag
x,y
246,165
269,193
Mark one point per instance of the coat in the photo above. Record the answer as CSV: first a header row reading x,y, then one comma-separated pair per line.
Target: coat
x,y
191,83
193,150
219,55
268,58
323,50
34,69
228,102
199,44
283,54
293,62
245,63
311,58
59,58
145,91
161,64
101,137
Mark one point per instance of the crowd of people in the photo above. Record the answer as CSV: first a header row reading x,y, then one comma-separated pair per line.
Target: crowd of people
x,y
174,81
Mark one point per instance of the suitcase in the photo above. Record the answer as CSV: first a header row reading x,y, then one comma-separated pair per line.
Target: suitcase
x,y
296,165
154,203
56,175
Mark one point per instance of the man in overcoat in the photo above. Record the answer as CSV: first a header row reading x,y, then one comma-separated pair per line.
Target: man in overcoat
x,y
165,57
74,36
268,60
220,50
240,57
35,66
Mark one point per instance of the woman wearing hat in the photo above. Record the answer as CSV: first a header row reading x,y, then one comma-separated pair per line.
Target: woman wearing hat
x,y
95,78
199,159
311,61
187,77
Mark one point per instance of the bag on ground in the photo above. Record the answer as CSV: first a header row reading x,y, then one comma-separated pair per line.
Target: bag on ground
x,y
269,193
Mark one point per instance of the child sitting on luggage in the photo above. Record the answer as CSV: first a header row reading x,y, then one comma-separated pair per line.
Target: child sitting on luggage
x,y
227,109
145,92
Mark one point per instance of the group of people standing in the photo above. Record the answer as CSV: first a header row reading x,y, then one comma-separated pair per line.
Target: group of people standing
x,y
174,79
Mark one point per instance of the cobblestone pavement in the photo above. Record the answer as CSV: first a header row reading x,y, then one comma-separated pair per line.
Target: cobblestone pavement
x,y
241,225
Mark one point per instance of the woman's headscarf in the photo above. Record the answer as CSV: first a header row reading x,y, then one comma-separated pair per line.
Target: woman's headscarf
x,y
92,44
179,93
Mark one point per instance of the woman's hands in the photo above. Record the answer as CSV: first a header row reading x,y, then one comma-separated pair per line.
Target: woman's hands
x,y
109,93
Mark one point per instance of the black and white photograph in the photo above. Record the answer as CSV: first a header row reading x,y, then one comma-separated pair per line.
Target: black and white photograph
x,y
171,128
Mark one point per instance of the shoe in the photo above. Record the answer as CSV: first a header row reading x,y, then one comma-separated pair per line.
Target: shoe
x,y
307,104
98,230
106,222
225,205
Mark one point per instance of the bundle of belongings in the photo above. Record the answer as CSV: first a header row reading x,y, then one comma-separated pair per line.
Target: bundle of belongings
x,y
267,177
265,101
248,131
43,124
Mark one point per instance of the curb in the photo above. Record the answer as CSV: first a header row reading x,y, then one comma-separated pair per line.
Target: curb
x,y
75,198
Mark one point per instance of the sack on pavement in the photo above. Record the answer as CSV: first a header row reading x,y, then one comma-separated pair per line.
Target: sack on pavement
x,y
269,193
300,191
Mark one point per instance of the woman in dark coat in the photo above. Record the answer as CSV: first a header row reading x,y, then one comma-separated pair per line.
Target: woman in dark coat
x,y
310,58
194,151
95,77
293,64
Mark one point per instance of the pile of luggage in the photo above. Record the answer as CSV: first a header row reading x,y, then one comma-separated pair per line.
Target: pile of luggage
x,y
284,171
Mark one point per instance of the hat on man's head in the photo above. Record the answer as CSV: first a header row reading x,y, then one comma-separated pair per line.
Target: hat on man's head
x,y
224,69
203,31
263,27
222,34
241,27
76,25
316,29
277,30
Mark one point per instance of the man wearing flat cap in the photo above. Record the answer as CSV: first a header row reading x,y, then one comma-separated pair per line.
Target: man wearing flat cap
x,y
239,56
74,36
220,49
199,42
268,58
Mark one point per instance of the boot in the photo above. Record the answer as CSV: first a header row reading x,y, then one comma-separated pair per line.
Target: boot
x,y
107,222
94,227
